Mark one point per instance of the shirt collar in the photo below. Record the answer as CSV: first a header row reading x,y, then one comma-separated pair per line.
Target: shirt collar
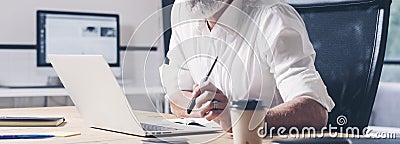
x,y
230,18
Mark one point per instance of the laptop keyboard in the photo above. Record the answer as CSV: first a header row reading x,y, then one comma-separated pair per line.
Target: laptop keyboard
x,y
150,127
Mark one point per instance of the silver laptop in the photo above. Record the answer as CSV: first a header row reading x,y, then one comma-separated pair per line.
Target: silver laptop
x,y
101,102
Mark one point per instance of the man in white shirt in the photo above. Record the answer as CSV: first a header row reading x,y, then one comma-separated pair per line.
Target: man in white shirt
x,y
264,53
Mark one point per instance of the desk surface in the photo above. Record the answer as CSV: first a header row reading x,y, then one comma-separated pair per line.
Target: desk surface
x,y
88,135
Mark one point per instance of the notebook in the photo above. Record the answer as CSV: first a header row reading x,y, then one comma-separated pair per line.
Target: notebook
x,y
31,121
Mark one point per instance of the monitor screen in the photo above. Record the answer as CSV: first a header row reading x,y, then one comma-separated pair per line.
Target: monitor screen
x,y
77,34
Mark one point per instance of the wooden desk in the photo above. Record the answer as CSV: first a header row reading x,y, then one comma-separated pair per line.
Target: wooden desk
x,y
88,135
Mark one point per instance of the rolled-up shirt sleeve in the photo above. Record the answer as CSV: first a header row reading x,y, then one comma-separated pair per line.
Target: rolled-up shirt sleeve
x,y
292,62
175,76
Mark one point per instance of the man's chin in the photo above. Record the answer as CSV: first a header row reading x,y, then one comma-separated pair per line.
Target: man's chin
x,y
201,11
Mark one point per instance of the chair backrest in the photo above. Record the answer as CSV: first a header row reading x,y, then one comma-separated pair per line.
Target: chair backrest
x,y
349,37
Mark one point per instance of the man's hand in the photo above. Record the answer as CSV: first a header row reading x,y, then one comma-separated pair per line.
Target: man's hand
x,y
205,96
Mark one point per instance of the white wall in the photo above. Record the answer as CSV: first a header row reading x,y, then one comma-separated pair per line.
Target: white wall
x,y
18,17
18,26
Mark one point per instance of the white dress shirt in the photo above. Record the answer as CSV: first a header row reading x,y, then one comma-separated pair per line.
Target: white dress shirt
x,y
264,53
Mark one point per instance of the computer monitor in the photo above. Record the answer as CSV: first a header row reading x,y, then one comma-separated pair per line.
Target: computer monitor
x,y
77,33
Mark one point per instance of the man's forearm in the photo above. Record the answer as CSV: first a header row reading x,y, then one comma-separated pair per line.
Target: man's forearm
x,y
299,112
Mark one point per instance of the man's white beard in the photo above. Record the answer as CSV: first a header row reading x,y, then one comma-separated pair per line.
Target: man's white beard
x,y
204,8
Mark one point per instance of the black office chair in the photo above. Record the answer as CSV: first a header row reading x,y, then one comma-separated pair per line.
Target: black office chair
x,y
349,37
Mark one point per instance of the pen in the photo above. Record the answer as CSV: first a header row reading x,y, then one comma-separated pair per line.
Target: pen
x,y
193,101
27,136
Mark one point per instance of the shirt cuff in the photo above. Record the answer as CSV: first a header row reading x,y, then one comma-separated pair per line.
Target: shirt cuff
x,y
309,84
